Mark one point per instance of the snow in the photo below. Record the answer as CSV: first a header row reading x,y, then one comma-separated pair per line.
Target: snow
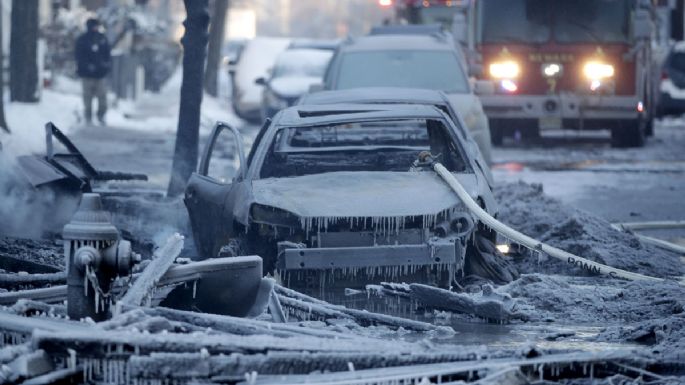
x,y
62,105
302,61
257,58
293,86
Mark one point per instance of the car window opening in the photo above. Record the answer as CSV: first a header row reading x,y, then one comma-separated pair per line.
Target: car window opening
x,y
390,146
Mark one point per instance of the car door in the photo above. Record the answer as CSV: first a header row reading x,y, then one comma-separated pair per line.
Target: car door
x,y
210,200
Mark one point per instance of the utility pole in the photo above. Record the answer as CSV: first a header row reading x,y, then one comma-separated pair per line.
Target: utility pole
x,y
188,131
24,51
217,30
3,121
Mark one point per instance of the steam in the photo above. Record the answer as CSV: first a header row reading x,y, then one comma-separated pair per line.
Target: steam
x,y
25,211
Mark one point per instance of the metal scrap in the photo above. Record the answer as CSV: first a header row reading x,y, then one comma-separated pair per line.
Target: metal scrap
x,y
141,292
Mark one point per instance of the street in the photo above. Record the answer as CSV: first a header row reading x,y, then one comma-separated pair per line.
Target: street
x,y
384,192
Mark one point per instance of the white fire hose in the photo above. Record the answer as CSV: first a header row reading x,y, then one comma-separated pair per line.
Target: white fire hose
x,y
529,242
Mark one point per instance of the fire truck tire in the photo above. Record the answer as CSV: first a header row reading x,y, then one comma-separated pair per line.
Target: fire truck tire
x,y
496,132
629,133
649,126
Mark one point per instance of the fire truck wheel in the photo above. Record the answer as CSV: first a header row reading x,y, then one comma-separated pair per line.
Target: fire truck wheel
x,y
496,132
649,126
629,133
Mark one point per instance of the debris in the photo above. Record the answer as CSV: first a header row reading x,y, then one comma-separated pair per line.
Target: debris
x,y
488,304
140,293
13,281
70,170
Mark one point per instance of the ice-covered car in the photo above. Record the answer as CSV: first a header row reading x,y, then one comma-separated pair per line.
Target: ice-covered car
x,y
412,61
296,69
388,95
672,86
258,55
334,188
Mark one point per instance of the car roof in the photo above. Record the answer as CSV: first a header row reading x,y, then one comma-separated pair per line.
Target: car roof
x,y
399,43
407,29
390,95
317,114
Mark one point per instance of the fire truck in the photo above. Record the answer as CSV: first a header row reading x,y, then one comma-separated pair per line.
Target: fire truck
x,y
555,64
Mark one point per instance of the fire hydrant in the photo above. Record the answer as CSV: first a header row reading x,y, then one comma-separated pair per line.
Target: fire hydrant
x,y
95,257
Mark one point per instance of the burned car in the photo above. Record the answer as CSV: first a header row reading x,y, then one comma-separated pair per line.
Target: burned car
x,y
337,189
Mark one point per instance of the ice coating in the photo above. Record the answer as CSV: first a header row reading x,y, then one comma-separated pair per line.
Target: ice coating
x,y
360,194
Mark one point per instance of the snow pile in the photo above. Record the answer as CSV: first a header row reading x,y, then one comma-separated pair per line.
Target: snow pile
x,y
527,209
27,120
594,300
158,112
666,336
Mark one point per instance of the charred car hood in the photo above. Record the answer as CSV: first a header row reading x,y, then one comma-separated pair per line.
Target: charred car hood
x,y
361,194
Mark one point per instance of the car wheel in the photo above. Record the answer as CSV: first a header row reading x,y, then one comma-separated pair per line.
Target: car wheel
x,y
629,133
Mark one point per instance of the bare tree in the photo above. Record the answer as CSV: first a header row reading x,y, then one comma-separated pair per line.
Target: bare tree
x,y
24,51
3,121
188,131
217,28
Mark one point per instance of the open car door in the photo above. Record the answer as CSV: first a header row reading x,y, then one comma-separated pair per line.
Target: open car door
x,y
207,198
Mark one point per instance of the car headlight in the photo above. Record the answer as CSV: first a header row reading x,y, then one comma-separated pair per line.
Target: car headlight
x,y
595,70
508,69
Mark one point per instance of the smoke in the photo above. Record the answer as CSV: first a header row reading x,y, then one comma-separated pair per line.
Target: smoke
x,y
25,211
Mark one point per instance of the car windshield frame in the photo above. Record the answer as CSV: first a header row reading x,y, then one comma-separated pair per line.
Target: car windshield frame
x,y
255,168
460,82
556,21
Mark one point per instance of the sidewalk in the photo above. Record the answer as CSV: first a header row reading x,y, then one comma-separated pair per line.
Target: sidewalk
x,y
138,138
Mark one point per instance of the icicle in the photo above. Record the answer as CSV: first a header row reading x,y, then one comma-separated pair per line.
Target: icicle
x,y
194,288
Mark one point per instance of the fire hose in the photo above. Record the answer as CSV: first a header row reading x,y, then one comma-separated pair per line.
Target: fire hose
x,y
523,239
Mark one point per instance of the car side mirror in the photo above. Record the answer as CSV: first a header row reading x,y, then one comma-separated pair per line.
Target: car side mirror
x,y
316,87
260,81
209,148
484,87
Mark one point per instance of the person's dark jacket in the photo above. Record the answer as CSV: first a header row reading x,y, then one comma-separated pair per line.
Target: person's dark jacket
x,y
93,56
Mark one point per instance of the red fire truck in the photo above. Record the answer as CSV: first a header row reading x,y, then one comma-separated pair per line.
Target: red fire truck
x,y
555,64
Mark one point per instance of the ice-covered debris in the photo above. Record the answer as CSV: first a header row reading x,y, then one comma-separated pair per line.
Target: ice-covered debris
x,y
527,209
143,288
487,304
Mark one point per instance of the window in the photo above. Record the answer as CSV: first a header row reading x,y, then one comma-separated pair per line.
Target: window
x,y
361,146
436,70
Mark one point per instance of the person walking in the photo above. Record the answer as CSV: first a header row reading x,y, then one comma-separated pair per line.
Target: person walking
x,y
93,63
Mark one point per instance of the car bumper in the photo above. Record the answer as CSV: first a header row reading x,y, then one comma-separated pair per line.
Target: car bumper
x,y
564,106
438,252
669,104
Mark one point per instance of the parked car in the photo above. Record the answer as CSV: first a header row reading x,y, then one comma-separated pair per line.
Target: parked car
x,y
295,71
332,188
258,55
413,61
672,87
388,95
